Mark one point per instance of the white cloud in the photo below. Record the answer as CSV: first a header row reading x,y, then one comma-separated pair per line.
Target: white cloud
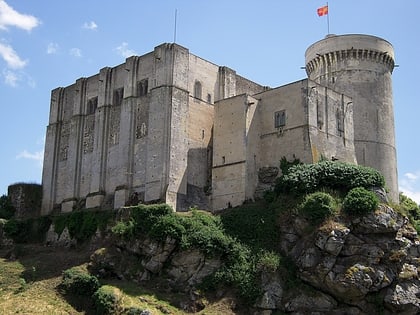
x,y
36,156
10,17
11,57
124,51
14,78
10,78
90,25
52,48
76,52
409,185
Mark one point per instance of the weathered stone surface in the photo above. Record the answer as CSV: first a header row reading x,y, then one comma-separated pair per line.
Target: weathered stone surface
x,y
311,304
347,266
4,240
404,298
384,220
62,240
364,256
268,174
272,292
190,267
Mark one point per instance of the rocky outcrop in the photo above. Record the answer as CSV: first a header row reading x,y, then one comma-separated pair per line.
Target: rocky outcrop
x,y
359,262
349,265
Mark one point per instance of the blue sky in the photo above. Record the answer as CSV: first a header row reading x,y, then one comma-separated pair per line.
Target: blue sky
x,y
50,43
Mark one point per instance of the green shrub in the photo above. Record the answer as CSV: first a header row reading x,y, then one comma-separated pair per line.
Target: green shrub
x,y
7,211
253,224
308,178
83,224
108,300
360,201
79,282
318,206
285,165
411,208
268,261
18,230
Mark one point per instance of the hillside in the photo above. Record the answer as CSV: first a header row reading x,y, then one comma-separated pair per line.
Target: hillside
x,y
321,242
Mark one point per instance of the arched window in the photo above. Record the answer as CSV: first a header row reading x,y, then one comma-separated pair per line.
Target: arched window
x,y
197,89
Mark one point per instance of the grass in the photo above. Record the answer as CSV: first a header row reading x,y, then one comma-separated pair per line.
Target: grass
x,y
29,285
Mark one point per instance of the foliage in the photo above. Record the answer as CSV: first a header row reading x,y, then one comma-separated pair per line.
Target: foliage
x,y
318,206
411,209
268,261
205,232
108,300
7,210
239,272
82,224
254,224
285,165
79,282
410,206
199,230
308,178
360,201
17,230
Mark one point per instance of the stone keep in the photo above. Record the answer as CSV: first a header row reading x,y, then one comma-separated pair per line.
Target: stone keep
x,y
172,127
360,66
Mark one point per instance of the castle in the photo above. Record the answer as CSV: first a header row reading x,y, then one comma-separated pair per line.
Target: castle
x,y
170,126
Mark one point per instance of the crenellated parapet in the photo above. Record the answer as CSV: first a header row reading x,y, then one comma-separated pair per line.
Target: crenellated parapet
x,y
330,58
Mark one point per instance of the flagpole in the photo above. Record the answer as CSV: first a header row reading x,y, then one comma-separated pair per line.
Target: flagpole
x,y
175,26
328,19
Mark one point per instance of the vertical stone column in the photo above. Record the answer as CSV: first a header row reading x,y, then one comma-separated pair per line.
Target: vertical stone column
x,y
227,83
99,160
49,172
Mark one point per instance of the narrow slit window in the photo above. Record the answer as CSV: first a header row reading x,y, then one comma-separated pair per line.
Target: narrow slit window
x,y
92,105
142,87
197,89
118,96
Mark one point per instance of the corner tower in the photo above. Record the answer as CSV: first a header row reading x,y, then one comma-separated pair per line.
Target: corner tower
x,y
360,66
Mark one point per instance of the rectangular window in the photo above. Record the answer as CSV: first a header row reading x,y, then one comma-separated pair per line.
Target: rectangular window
x,y
279,119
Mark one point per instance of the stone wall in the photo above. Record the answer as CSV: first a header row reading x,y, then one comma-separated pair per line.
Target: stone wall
x,y
26,199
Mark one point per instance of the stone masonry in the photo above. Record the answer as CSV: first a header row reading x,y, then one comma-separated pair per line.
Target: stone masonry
x,y
170,126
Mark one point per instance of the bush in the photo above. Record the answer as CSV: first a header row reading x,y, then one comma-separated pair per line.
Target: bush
x,y
360,201
308,178
7,210
268,261
318,206
79,282
17,230
108,300
82,225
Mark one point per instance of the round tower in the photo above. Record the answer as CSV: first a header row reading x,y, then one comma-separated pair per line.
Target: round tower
x,y
360,66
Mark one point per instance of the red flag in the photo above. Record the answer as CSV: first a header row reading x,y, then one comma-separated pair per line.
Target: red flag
x,y
322,10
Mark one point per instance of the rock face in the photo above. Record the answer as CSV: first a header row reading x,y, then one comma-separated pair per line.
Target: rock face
x,y
353,265
359,262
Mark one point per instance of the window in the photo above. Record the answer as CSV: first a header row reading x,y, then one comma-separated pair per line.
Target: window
x,y
92,105
340,121
118,96
209,98
279,119
142,87
197,89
